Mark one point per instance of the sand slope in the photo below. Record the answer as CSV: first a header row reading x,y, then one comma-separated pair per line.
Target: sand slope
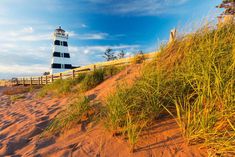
x,y
22,122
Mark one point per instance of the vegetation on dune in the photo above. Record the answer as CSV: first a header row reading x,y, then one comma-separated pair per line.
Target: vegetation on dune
x,y
192,79
82,82
138,58
75,113
13,98
206,75
113,70
80,110
192,76
57,88
92,79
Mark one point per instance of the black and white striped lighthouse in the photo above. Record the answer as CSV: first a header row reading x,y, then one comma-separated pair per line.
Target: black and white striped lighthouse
x,y
60,56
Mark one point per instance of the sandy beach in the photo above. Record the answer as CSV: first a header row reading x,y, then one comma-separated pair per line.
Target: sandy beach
x,y
23,121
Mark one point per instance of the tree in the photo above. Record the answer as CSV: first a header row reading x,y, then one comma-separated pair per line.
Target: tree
x,y
121,54
109,55
229,6
46,73
140,52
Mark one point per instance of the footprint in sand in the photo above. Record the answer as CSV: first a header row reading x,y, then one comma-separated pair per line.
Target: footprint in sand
x,y
42,125
52,110
44,143
13,145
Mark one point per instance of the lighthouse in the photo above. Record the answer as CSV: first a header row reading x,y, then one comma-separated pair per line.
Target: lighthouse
x,y
60,56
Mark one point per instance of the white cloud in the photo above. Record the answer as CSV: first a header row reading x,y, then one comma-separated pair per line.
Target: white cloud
x,y
24,34
138,7
28,29
83,55
88,36
83,25
23,69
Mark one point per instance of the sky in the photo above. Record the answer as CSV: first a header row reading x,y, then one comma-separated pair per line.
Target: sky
x,y
26,28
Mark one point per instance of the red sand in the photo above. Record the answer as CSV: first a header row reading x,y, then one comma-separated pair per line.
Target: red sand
x,y
22,122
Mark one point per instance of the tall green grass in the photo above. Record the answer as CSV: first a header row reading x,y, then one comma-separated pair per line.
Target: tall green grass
x,y
206,111
193,79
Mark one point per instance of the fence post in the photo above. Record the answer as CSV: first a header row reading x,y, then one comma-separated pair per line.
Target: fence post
x,y
73,74
61,76
94,67
46,79
17,82
52,79
31,81
41,78
23,81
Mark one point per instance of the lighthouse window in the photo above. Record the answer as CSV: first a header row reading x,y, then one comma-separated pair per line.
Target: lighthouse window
x,y
68,66
66,55
65,43
56,54
57,42
56,66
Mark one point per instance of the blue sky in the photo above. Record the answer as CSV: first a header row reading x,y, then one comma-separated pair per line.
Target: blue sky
x,y
26,28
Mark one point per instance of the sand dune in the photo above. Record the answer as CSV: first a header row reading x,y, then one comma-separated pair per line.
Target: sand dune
x,y
22,122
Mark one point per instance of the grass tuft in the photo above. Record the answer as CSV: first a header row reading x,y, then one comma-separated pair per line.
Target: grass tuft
x,y
75,113
193,79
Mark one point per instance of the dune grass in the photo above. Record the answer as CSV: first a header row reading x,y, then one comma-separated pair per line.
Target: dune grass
x,y
206,110
83,82
113,70
92,79
80,109
131,108
138,58
14,98
193,79
72,115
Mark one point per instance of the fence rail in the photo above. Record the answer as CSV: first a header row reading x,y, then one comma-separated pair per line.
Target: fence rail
x,y
42,80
